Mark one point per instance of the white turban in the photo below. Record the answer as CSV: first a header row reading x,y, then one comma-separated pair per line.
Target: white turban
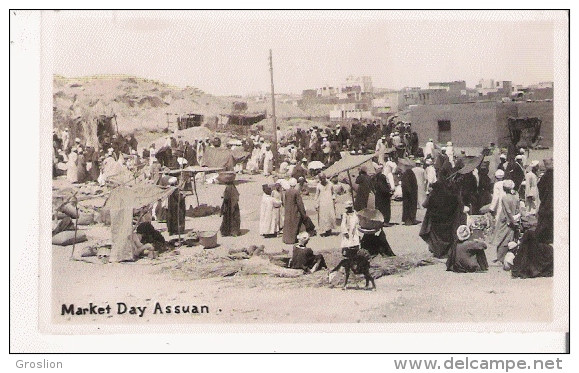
x,y
500,174
293,182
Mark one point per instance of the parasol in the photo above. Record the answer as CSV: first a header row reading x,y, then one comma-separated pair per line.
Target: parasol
x,y
315,165
284,184
471,164
346,164
405,163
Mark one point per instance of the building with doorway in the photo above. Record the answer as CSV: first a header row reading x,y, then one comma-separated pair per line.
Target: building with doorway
x,y
476,124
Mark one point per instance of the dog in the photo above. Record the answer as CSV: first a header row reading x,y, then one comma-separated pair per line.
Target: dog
x,y
355,260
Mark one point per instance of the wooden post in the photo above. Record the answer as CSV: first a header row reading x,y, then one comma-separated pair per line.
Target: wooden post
x,y
351,189
75,227
195,187
274,145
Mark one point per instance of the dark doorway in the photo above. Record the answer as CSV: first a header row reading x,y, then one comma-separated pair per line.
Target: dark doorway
x,y
444,131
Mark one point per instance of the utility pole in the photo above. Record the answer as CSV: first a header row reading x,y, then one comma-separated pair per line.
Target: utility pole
x,y
274,145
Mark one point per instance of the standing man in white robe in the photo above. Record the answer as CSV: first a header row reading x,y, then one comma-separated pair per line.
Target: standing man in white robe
x,y
429,149
269,216
381,150
430,174
531,190
72,166
421,183
325,206
349,227
267,160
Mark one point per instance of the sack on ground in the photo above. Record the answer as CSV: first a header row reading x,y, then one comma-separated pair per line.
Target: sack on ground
x,y
69,210
85,219
67,238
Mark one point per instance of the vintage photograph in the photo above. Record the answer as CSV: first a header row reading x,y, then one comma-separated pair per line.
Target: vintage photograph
x,y
303,167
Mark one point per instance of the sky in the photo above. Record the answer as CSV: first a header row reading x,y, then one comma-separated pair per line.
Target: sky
x,y
226,53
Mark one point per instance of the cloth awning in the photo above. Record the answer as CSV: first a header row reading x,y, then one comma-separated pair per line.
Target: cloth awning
x,y
347,163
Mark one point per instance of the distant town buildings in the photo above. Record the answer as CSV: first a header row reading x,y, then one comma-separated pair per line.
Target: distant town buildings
x,y
356,97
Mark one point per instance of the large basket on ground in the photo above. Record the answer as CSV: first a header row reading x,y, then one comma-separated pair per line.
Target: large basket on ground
x,y
207,239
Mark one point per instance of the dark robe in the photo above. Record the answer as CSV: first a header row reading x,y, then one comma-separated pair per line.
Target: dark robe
x,y
191,155
176,213
544,230
439,162
150,235
92,156
383,195
533,259
414,144
295,214
409,196
299,171
467,256
304,258
81,170
363,193
517,175
484,190
376,244
231,224
468,192
442,218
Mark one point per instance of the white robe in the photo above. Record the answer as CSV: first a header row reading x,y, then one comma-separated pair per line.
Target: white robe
x,y
269,216
325,204
498,193
421,182
72,168
267,163
380,151
253,163
430,173
279,210
349,225
429,149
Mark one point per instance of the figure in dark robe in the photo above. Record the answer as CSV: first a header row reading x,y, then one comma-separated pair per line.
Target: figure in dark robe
x,y
364,188
516,173
533,259
176,213
467,255
150,235
295,214
376,244
485,187
544,230
409,197
468,191
442,219
190,154
383,194
304,258
414,144
92,158
231,224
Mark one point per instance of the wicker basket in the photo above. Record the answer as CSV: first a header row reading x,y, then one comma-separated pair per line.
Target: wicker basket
x,y
370,219
208,239
225,177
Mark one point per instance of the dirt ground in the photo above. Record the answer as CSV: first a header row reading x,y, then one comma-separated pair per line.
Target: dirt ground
x,y
422,294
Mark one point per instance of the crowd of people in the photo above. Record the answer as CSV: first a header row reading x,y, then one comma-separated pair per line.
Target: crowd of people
x,y
514,194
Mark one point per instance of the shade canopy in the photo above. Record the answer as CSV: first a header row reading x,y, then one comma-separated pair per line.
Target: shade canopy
x,y
347,163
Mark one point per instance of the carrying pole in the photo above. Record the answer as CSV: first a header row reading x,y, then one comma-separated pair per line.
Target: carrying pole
x,y
351,189
274,145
